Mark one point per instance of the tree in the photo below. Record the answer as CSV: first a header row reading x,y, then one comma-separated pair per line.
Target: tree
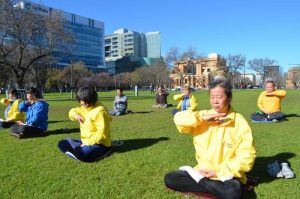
x,y
26,37
72,74
174,57
259,65
234,64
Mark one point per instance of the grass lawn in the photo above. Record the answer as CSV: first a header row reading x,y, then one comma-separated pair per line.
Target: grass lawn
x,y
35,168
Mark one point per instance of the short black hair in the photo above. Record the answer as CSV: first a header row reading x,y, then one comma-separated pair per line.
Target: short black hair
x,y
87,94
13,91
34,91
224,83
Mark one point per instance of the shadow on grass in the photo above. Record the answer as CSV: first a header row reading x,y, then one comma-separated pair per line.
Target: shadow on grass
x,y
52,122
249,195
141,112
291,115
63,131
260,166
135,144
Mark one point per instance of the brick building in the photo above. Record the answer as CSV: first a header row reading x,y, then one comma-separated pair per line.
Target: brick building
x,y
196,72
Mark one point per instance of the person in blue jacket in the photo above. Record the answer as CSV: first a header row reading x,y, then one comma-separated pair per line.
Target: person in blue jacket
x,y
36,109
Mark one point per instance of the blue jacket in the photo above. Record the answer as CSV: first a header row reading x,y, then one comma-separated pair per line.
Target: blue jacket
x,y
36,114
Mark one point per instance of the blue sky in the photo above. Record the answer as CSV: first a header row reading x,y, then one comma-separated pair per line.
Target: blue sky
x,y
255,28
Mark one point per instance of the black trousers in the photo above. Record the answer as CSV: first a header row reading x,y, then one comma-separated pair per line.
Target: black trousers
x,y
5,124
181,181
266,117
23,131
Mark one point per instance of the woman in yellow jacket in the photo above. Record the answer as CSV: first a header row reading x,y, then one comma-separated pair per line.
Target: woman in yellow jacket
x,y
269,103
12,113
224,147
94,120
186,101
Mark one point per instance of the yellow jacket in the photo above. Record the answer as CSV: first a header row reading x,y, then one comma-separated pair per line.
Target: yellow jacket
x,y
96,127
271,103
13,114
193,102
228,148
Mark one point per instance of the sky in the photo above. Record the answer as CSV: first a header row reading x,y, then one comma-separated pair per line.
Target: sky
x,y
254,28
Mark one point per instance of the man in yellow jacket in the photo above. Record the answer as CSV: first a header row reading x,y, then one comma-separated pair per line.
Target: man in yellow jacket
x,y
269,103
224,148
94,120
186,101
12,113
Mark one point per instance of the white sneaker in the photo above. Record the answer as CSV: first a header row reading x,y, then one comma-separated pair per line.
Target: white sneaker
x,y
274,170
71,155
287,172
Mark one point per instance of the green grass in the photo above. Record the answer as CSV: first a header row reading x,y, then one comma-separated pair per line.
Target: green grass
x,y
35,168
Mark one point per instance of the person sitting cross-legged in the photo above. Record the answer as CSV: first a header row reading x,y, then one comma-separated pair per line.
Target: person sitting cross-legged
x,y
36,109
269,103
186,101
12,113
94,121
120,104
161,98
224,148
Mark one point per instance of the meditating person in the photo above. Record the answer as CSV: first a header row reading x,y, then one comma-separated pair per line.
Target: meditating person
x,y
120,104
36,122
269,103
224,147
11,113
186,100
161,100
94,121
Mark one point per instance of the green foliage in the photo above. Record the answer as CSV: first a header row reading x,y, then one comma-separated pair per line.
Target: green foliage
x,y
35,168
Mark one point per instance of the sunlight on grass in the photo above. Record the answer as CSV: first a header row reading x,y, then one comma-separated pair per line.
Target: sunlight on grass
x,y
35,168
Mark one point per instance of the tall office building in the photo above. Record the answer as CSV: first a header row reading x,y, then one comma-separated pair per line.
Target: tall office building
x,y
87,35
153,44
124,42
126,49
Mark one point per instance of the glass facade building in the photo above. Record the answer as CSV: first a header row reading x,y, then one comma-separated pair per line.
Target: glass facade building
x,y
87,39
153,44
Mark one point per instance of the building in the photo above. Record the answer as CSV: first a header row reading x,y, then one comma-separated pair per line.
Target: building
x,y
248,78
293,79
197,72
153,46
122,43
125,46
87,34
